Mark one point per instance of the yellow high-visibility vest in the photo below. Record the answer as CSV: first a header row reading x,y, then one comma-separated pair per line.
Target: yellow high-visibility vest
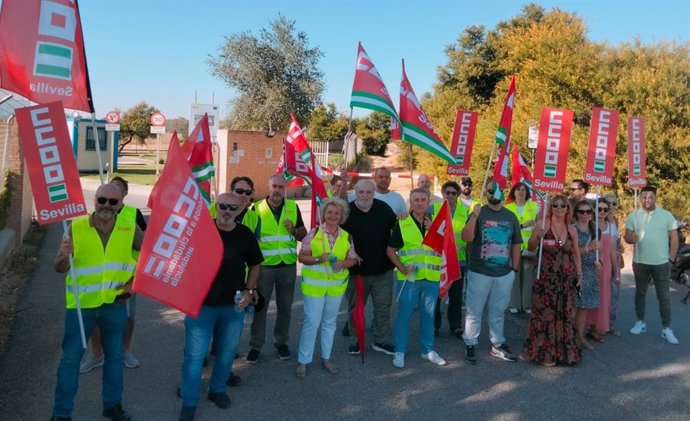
x,y
529,213
276,242
427,262
459,221
320,279
99,272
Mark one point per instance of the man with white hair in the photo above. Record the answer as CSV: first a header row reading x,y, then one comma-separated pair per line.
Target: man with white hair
x,y
370,224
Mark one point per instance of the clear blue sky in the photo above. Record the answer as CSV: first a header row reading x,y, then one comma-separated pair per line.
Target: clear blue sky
x,y
156,50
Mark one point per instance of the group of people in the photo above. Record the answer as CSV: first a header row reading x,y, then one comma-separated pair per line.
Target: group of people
x,y
371,233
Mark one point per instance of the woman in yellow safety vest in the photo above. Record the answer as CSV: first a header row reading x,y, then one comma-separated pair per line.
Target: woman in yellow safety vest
x,y
526,212
327,253
418,274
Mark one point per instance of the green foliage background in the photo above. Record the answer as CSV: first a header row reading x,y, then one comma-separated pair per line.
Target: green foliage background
x,y
557,66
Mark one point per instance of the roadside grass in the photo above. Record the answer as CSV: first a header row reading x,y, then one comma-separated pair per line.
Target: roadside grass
x,y
136,174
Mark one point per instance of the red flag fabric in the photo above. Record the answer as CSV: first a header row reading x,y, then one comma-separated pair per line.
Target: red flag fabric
x,y
182,250
300,162
506,123
637,156
198,149
441,238
601,149
42,52
358,317
462,142
551,159
50,161
368,89
416,127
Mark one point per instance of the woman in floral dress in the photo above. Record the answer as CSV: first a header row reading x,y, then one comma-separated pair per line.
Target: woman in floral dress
x,y
551,335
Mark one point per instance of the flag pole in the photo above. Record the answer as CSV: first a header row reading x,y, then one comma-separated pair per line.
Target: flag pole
x,y
596,220
635,226
75,287
488,168
541,240
347,139
98,146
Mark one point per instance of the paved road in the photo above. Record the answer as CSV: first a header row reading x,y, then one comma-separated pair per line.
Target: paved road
x,y
631,377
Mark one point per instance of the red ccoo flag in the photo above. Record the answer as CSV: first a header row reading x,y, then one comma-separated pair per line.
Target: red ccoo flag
x,y
42,52
441,238
182,250
200,155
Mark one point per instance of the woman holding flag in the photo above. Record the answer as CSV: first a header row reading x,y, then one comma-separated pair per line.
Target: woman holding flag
x,y
551,337
327,253
418,273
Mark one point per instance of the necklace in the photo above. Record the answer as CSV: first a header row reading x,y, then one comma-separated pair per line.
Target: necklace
x,y
559,234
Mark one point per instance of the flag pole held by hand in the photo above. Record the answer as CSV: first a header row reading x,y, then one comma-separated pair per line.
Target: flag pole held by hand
x,y
75,288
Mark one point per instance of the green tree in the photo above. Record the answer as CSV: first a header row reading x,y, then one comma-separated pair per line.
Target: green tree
x,y
274,74
136,124
327,124
179,125
374,131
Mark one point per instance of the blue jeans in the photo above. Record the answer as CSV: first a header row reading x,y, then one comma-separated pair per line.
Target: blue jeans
x,y
483,290
111,320
197,338
422,294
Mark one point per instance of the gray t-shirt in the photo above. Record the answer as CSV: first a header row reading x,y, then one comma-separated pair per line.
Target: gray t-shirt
x,y
393,199
494,235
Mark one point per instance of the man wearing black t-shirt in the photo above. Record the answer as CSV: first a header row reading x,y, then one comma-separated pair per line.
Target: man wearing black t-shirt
x,y
240,250
370,224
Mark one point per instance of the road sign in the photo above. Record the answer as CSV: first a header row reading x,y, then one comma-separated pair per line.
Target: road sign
x,y
113,117
157,129
112,127
158,120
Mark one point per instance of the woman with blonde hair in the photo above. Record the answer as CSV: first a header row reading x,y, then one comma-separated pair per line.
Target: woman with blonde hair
x,y
551,337
327,253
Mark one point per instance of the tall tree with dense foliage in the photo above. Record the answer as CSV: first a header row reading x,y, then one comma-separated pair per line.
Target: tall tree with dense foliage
x,y
558,66
326,123
274,74
136,124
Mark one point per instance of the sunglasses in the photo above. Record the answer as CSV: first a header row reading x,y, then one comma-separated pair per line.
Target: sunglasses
x,y
228,206
243,191
111,201
559,205
451,193
603,209
584,211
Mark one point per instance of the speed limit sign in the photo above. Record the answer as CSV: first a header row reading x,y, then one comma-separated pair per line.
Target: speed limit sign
x,y
158,119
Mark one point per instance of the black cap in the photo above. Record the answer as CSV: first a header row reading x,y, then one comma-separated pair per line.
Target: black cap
x,y
466,180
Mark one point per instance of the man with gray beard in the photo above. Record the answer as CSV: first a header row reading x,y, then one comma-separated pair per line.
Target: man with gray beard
x,y
370,224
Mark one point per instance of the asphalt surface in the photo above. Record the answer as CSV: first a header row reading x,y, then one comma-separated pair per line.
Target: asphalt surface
x,y
629,377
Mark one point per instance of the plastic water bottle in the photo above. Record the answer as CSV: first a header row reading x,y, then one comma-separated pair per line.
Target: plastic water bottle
x,y
238,300
334,259
412,275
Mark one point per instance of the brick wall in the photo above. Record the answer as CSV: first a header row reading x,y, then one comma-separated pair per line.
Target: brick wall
x,y
21,208
248,153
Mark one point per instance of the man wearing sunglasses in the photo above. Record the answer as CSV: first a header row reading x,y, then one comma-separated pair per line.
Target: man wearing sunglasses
x,y
494,240
281,228
244,188
458,212
653,232
220,316
102,244
95,358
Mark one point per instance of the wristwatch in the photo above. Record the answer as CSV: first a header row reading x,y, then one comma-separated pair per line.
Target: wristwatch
x,y
318,259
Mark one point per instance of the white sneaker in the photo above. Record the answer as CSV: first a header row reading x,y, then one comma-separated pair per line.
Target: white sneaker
x,y
513,310
91,362
433,357
640,327
399,359
667,334
130,360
